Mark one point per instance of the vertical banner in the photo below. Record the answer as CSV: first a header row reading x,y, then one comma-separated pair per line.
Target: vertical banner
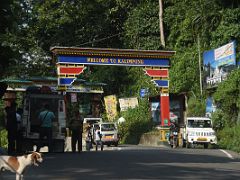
x,y
111,106
155,109
73,97
164,100
210,106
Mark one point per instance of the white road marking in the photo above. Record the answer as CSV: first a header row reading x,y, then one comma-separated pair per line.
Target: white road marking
x,y
228,155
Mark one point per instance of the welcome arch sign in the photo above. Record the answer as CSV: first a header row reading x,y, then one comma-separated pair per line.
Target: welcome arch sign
x,y
71,61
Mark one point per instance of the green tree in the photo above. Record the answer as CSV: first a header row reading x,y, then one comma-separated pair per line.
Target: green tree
x,y
196,107
228,28
141,29
227,97
8,53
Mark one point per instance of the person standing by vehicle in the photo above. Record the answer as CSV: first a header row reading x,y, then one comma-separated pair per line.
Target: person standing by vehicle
x,y
173,138
11,126
98,138
76,127
19,113
46,118
88,138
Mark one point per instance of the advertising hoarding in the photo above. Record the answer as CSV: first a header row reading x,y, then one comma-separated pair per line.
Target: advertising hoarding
x,y
126,103
210,106
218,63
111,106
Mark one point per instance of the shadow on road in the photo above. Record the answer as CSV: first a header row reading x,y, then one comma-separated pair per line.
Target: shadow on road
x,y
142,163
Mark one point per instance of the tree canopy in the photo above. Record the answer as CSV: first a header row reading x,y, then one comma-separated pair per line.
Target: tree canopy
x,y
30,28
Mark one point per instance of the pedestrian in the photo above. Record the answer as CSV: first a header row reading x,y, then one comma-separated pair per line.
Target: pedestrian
x,y
88,138
19,113
11,126
98,138
76,127
46,118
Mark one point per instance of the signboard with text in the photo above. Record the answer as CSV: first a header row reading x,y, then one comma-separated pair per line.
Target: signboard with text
x,y
113,61
218,63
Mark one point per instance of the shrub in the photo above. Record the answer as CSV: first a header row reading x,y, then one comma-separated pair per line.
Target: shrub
x,y
3,138
220,120
138,121
228,138
196,107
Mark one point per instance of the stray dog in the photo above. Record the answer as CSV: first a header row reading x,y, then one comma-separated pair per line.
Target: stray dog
x,y
18,164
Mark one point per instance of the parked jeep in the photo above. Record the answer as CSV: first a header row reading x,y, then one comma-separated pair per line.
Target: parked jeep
x,y
198,130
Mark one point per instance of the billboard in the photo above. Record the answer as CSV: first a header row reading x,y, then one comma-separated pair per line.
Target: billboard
x,y
218,63
111,106
126,103
210,106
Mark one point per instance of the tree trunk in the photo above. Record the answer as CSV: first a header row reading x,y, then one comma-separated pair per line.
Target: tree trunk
x,y
161,23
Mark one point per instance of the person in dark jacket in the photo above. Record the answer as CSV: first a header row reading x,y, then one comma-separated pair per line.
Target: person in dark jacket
x,y
19,139
11,126
76,127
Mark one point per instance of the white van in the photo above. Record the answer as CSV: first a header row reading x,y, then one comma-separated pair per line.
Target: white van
x,y
109,133
92,120
198,130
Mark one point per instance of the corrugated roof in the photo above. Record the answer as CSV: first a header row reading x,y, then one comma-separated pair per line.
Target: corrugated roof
x,y
16,81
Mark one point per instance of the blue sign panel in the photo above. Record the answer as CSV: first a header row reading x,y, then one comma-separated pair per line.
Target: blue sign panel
x,y
65,81
161,83
143,92
164,62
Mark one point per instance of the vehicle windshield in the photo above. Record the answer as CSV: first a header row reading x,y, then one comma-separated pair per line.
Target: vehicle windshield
x,y
199,123
108,127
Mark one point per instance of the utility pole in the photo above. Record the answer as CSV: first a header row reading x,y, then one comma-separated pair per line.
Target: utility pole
x,y
199,64
161,23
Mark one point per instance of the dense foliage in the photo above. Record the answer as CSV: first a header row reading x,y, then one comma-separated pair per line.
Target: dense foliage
x,y
29,28
196,107
137,122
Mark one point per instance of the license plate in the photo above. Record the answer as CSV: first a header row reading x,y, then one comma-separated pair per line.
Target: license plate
x,y
202,139
108,137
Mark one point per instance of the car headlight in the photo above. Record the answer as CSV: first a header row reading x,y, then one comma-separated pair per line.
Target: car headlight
x,y
212,134
191,133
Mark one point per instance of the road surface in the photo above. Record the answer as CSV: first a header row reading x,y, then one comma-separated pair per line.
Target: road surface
x,y
136,162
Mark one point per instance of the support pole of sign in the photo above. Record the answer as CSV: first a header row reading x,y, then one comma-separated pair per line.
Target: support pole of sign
x,y
164,107
199,65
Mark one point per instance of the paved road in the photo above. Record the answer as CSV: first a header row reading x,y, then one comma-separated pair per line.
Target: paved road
x,y
136,162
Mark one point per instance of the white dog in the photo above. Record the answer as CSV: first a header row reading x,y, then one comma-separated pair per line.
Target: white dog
x,y
18,164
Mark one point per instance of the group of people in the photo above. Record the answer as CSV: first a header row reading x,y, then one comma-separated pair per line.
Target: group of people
x,y
89,138
76,127
46,118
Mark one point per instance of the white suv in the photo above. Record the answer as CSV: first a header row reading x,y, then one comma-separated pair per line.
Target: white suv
x,y
198,130
108,132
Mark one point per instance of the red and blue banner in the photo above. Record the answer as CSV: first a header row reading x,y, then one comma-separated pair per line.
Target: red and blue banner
x,y
67,73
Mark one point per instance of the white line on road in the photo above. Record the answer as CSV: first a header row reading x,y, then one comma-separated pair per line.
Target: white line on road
x,y
228,155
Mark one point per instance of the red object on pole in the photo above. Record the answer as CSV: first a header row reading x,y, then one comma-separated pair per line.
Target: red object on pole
x,y
71,70
164,109
157,72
